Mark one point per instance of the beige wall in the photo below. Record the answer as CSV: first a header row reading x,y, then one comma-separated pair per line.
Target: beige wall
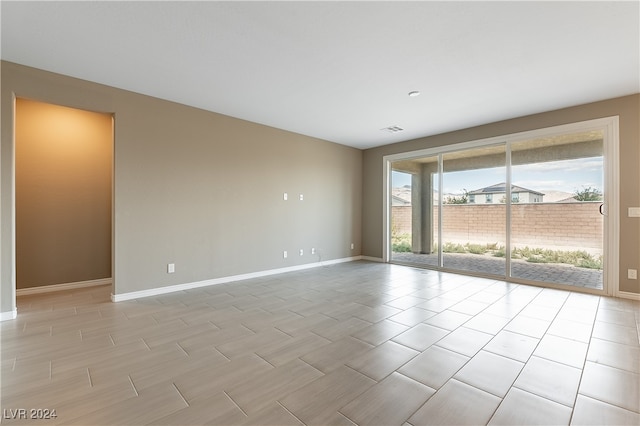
x,y
627,108
198,189
63,194
204,191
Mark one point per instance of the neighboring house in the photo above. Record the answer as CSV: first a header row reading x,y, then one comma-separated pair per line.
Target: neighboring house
x,y
397,201
401,196
496,194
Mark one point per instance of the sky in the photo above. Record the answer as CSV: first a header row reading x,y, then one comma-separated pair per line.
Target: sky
x,y
566,176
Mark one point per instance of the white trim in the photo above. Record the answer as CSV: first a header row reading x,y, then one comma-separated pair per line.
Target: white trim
x,y
386,209
372,259
62,287
611,241
595,124
215,281
6,316
628,295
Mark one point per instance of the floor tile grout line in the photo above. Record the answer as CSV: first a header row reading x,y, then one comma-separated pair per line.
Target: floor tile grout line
x,y
242,325
345,416
182,349
289,411
145,343
290,335
133,385
607,403
611,367
312,366
218,351
180,393
235,403
546,398
265,360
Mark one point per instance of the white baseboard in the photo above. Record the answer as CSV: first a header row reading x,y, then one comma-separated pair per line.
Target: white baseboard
x,y
6,316
188,286
61,287
628,295
372,259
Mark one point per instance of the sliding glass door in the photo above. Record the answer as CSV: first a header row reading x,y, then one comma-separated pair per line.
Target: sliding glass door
x,y
556,209
529,208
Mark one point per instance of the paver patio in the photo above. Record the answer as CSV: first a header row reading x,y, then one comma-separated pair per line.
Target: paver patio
x,y
545,272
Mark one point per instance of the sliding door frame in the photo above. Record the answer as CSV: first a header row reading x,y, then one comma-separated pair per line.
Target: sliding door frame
x,y
611,230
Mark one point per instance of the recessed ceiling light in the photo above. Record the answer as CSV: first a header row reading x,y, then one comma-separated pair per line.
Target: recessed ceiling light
x,y
414,93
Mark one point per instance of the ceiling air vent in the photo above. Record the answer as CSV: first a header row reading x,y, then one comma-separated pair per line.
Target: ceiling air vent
x,y
392,129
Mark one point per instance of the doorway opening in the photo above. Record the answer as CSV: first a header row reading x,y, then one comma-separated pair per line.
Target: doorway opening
x,y
536,207
63,197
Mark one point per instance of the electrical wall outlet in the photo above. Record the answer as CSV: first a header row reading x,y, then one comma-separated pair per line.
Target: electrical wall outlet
x,y
171,268
301,252
301,197
632,274
352,246
285,254
313,251
285,196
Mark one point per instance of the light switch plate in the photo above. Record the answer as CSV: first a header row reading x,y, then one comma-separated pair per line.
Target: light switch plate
x,y
634,211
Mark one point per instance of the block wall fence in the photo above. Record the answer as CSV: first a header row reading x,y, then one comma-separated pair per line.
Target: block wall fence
x,y
555,226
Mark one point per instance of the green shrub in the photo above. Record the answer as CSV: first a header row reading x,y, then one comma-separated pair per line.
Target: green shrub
x,y
476,248
453,248
579,258
401,243
401,247
590,263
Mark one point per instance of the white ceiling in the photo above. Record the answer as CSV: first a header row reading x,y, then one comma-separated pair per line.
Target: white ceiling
x,y
341,71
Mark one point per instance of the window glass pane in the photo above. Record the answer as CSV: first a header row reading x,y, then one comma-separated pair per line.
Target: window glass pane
x,y
414,205
473,233
556,227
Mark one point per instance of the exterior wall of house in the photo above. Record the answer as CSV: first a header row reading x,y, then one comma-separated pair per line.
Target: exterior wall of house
x,y
499,197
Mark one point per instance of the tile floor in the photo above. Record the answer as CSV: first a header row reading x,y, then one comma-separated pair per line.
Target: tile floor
x,y
355,343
